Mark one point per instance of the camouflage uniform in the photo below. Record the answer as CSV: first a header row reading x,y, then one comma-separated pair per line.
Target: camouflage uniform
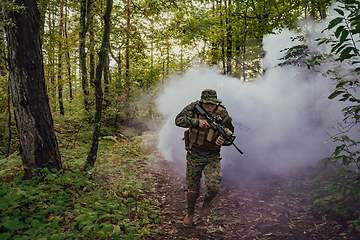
x,y
202,152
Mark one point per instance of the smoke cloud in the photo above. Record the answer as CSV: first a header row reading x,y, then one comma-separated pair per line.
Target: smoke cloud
x,y
281,119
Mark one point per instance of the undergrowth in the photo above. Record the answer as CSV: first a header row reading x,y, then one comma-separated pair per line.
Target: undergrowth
x,y
106,202
336,196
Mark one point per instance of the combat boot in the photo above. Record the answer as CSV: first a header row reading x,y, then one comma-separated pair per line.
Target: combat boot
x,y
206,207
209,196
191,197
188,220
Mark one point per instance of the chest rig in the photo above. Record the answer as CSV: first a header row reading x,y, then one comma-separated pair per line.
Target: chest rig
x,y
203,138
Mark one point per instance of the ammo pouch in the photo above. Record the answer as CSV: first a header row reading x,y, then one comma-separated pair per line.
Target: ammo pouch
x,y
199,138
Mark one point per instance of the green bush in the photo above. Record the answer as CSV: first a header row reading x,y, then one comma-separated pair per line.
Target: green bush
x,y
106,202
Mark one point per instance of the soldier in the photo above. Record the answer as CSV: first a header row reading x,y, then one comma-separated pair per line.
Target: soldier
x,y
203,151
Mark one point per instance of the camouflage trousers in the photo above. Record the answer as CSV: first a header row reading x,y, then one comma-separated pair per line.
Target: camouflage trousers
x,y
199,161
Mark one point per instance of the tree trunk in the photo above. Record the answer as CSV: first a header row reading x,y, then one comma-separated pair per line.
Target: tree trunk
x,y
127,50
229,41
38,145
244,47
119,66
60,81
92,51
84,13
51,63
92,57
106,74
98,89
68,58
9,122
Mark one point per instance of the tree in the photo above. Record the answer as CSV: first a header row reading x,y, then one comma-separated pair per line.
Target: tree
x,y
38,144
348,54
84,26
60,81
97,82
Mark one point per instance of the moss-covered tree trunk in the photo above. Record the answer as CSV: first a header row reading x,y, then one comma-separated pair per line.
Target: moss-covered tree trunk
x,y
98,89
31,103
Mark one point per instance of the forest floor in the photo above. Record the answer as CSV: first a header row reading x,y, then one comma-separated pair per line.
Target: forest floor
x,y
263,209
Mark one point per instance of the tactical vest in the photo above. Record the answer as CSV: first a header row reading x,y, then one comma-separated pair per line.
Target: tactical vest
x,y
203,138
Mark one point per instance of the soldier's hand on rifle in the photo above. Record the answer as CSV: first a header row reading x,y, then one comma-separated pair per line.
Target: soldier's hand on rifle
x,y
220,141
203,123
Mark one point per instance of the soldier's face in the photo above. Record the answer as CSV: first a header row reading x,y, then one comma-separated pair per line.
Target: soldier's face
x,y
208,107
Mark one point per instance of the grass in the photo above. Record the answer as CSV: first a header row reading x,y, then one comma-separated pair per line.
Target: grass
x,y
106,202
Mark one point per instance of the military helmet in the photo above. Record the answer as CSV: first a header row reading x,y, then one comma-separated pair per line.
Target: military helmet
x,y
209,96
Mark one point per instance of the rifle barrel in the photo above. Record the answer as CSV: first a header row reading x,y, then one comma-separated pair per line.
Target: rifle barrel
x,y
238,148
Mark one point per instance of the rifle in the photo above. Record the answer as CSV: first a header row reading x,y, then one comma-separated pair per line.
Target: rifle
x,y
216,124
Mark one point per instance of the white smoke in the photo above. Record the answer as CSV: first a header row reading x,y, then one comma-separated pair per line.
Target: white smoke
x,y
281,120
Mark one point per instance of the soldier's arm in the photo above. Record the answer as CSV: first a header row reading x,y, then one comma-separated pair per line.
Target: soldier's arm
x,y
186,117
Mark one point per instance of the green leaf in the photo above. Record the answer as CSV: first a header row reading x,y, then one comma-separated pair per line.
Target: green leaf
x,y
115,236
338,31
35,223
93,234
340,48
350,1
107,228
16,212
338,149
340,84
345,97
101,234
4,206
55,237
345,138
31,231
344,35
86,230
345,54
5,236
341,12
80,218
345,160
335,22
3,190
355,31
335,94
333,49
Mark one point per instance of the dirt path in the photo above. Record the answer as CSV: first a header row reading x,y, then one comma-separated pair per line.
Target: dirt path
x,y
246,210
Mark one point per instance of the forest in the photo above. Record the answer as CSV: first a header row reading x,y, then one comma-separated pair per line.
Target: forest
x,y
87,94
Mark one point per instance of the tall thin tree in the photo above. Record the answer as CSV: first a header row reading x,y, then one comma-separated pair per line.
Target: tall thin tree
x,y
60,81
97,82
84,26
